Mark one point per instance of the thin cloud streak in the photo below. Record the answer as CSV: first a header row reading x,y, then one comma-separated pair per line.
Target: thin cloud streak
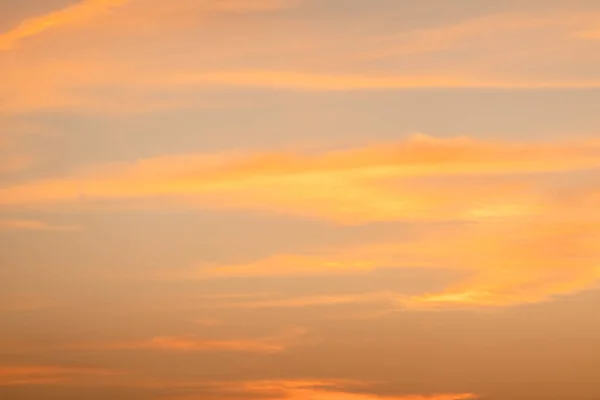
x,y
306,301
317,390
526,260
341,82
350,186
273,344
46,375
33,225
37,25
189,344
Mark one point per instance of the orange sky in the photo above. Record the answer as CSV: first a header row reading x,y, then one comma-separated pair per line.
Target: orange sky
x,y
299,199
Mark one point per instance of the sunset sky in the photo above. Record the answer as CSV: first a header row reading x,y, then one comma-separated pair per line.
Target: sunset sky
x,y
299,199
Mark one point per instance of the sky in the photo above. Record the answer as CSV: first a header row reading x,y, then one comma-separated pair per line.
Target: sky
x,y
299,199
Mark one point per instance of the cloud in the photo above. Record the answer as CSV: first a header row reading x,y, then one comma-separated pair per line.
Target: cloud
x,y
11,158
245,6
314,81
190,343
525,220
26,302
74,78
45,375
186,344
70,77
589,34
66,16
12,163
421,178
306,301
301,390
92,85
483,30
504,263
32,225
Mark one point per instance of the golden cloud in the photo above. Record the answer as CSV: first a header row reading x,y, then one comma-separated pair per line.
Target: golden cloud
x,y
244,6
33,225
67,16
71,80
45,375
391,181
318,390
526,260
312,81
187,344
521,237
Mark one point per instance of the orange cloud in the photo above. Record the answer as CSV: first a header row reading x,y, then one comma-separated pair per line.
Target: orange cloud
x,y
335,82
519,261
244,6
11,163
526,240
303,301
589,34
487,30
67,16
191,344
44,375
25,302
272,344
32,225
90,81
316,390
11,159
380,182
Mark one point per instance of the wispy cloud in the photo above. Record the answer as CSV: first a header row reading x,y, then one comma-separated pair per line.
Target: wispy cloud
x,y
314,81
523,238
420,178
44,375
485,30
303,301
26,302
245,6
11,158
505,263
66,16
306,389
191,343
83,81
11,163
33,225
187,344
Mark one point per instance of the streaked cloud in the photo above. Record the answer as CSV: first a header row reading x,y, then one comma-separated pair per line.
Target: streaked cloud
x,y
187,344
244,6
592,34
12,158
34,26
372,183
483,30
318,390
82,81
33,225
522,238
13,163
46,375
306,301
333,82
506,263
